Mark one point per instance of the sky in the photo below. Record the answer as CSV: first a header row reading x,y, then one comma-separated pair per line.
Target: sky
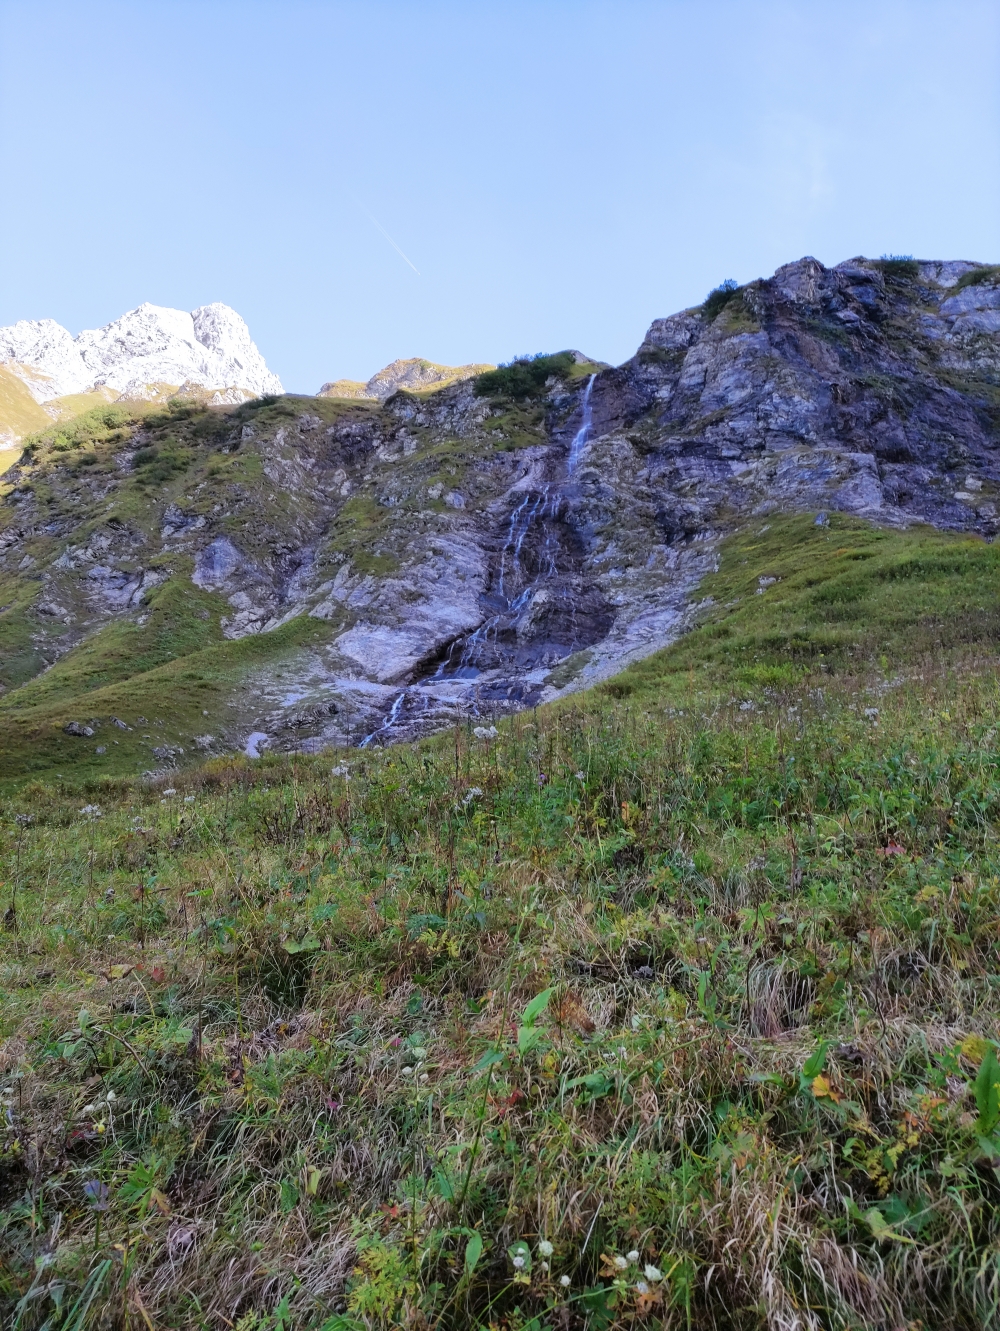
x,y
472,181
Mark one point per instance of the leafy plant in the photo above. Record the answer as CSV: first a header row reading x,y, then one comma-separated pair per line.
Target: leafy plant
x,y
718,298
523,377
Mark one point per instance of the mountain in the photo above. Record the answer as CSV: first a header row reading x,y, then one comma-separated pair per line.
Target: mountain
x,y
412,375
147,353
315,571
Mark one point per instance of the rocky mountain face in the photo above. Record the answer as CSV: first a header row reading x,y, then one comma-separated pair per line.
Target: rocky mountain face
x,y
145,349
411,375
363,572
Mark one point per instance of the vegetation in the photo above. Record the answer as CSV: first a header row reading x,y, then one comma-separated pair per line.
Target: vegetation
x,y
981,275
899,267
718,298
670,1005
525,376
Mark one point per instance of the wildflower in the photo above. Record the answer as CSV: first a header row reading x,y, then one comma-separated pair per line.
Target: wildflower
x,y
545,1266
485,732
170,791
871,713
545,1248
652,1272
188,799
471,794
341,769
541,779
424,1076
88,1109
111,1097
519,1261
633,1256
642,1287
92,811
564,1281
621,1263
580,776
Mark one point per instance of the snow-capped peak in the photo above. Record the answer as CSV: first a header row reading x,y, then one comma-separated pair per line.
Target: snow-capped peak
x,y
209,348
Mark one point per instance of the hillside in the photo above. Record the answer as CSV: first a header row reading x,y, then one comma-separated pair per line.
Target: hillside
x,y
293,573
149,354
668,1004
413,374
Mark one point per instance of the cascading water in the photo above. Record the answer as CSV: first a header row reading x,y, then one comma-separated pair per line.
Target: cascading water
x,y
494,647
390,720
580,438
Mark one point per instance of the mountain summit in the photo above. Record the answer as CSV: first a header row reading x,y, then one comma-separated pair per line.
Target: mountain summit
x,y
145,350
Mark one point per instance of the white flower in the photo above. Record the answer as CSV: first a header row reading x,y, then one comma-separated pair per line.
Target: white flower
x,y
92,811
633,1256
485,732
519,1261
424,1076
871,713
188,799
471,794
170,791
341,769
642,1287
407,1072
88,1109
652,1272
580,776
545,1248
564,1281
111,1097
621,1263
545,1266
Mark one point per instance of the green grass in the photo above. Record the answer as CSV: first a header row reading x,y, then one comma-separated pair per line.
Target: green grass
x,y
170,680
700,966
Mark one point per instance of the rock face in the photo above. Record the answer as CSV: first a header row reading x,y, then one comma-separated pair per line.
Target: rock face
x,y
411,375
209,348
466,552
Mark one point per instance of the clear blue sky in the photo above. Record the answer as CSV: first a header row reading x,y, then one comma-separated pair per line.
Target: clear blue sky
x,y
559,173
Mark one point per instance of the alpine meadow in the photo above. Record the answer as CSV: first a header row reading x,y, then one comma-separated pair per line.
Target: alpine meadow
x,y
507,848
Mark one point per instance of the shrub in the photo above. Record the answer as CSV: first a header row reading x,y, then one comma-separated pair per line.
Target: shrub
x,y
902,267
523,376
717,299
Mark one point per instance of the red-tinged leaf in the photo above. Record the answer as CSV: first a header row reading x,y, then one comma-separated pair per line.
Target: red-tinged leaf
x,y
157,974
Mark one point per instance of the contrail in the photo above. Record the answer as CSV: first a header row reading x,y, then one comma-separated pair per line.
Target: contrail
x,y
394,245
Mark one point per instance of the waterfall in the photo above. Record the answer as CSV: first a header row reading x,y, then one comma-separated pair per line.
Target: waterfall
x,y
580,438
388,723
513,593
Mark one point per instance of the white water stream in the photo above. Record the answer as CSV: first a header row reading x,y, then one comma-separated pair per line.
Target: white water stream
x,y
449,687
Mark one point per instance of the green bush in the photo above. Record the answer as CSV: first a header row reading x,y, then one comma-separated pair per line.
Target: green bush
x,y
899,267
524,376
717,299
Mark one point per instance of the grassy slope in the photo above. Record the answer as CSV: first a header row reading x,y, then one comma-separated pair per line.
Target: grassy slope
x,y
175,666
756,878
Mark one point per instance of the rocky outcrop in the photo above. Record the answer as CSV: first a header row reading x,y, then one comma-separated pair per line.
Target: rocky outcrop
x,y
210,348
461,553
